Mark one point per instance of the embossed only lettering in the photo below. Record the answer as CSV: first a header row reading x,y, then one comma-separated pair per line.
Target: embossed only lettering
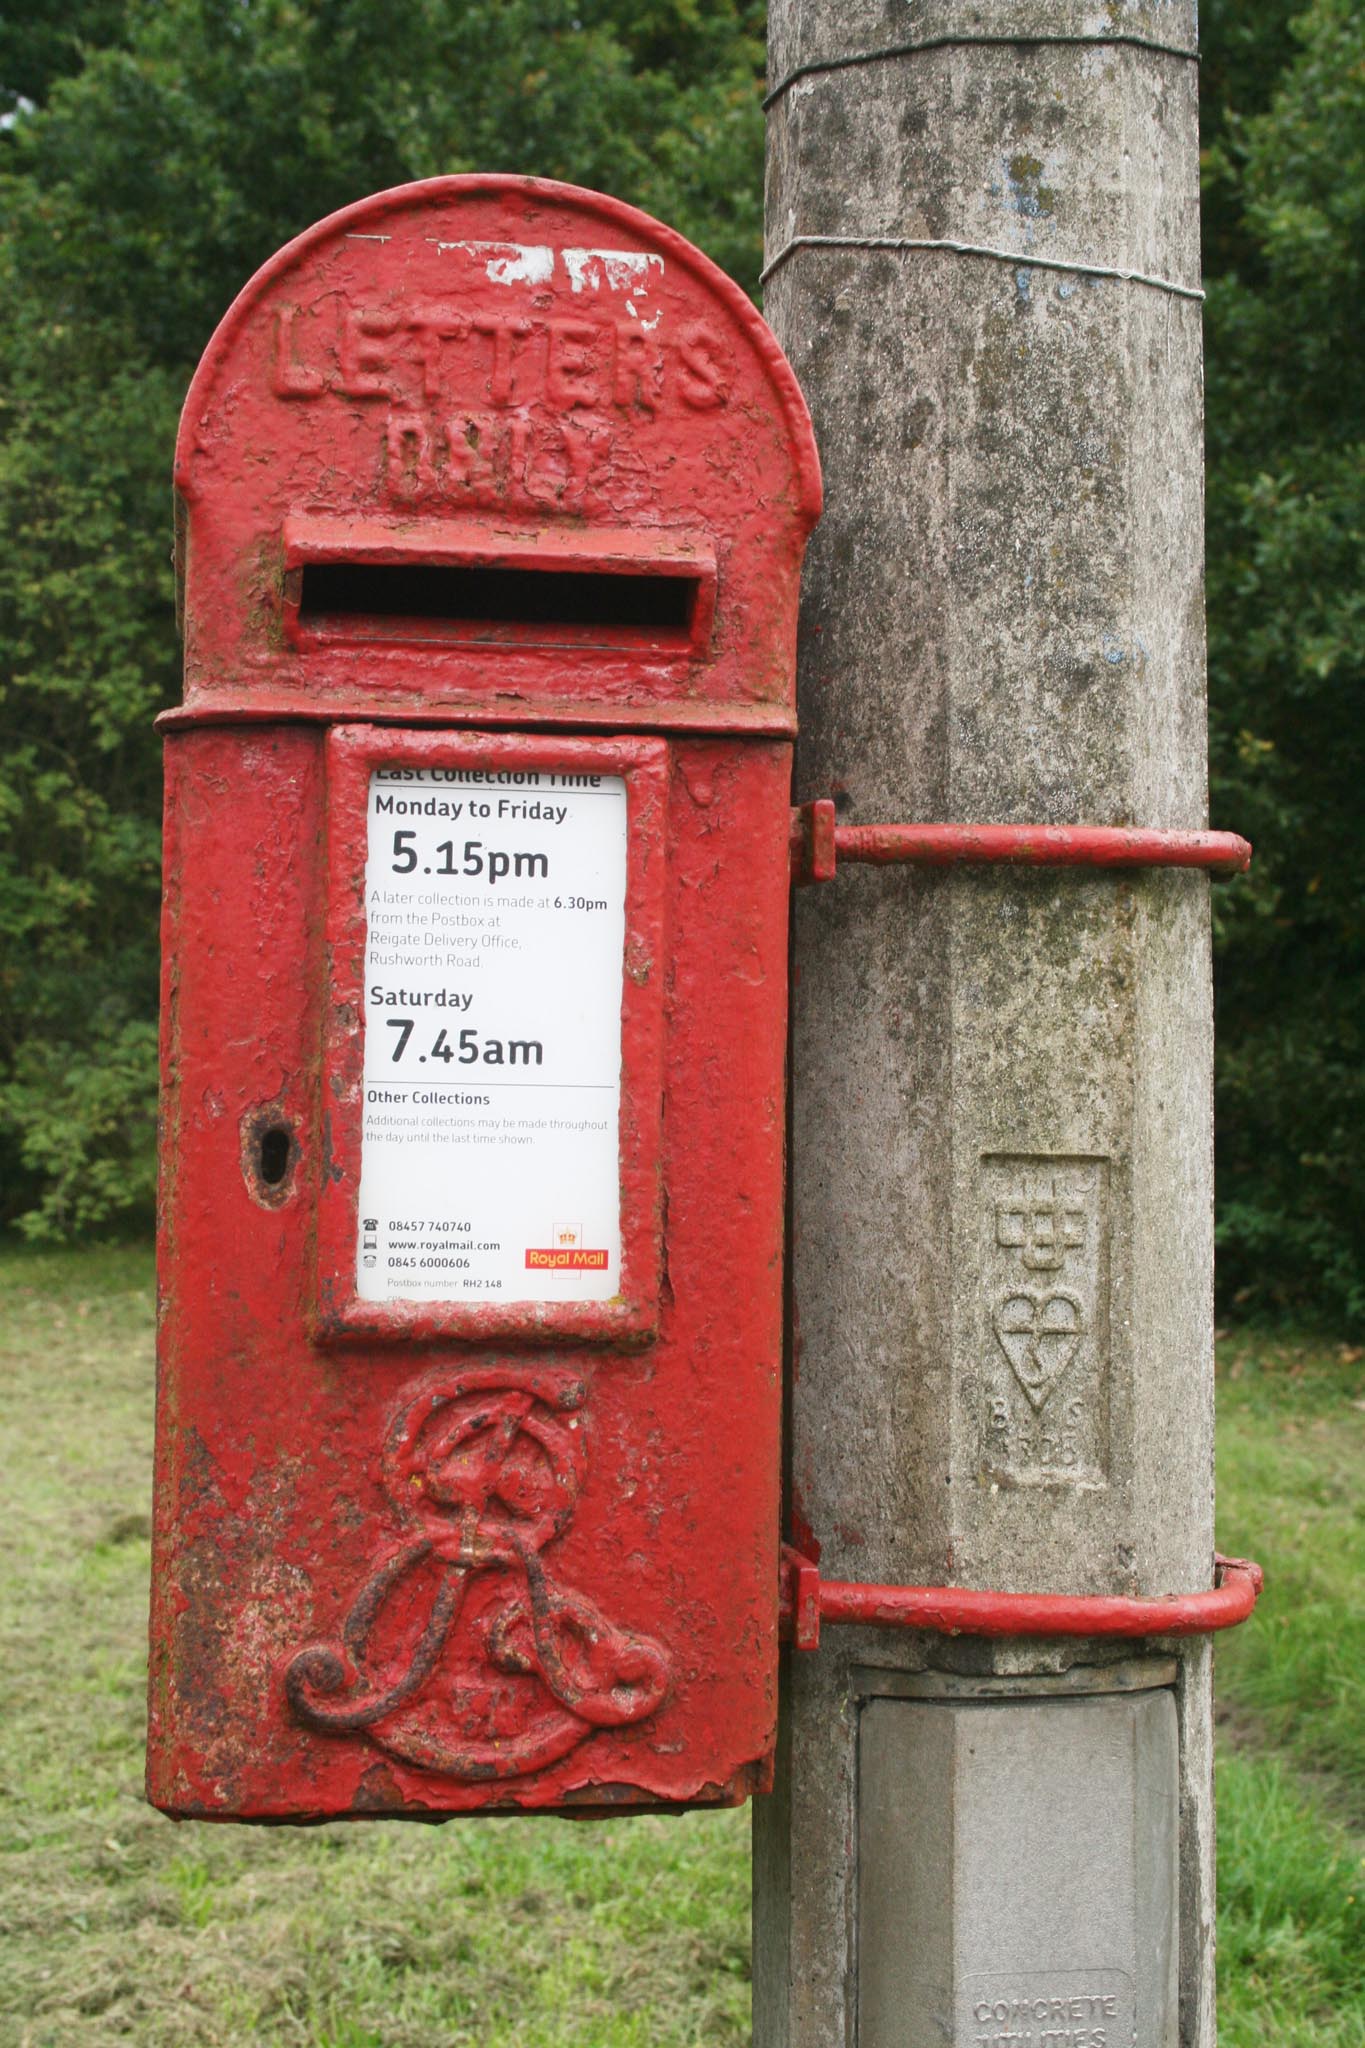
x,y
290,378
434,326
490,461
502,333
702,385
468,440
363,362
438,352
410,472
639,369
571,377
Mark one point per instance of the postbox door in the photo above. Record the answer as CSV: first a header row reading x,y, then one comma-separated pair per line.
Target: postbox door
x,y
428,1546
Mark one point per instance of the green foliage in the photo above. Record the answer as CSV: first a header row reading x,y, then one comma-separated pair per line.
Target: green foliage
x,y
159,151
38,46
1286,515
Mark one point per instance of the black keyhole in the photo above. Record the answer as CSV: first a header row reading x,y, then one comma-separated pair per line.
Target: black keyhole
x,y
274,1154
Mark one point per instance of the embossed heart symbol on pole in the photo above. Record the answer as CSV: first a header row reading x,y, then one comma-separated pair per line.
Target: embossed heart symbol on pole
x,y
1039,1333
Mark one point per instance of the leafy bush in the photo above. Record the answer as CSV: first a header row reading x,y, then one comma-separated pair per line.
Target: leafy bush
x,y
1286,521
155,155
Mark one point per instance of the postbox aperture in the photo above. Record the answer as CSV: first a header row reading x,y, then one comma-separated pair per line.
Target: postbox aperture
x,y
493,495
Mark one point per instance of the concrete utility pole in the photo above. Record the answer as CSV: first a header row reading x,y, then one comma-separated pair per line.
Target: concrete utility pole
x,y
983,261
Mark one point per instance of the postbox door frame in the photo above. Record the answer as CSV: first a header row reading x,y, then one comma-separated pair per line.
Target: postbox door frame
x,y
630,1318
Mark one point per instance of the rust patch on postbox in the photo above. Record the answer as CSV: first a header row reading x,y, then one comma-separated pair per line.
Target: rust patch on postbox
x,y
270,1153
492,499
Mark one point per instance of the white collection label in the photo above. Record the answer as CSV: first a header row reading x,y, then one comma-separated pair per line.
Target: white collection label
x,y
489,1165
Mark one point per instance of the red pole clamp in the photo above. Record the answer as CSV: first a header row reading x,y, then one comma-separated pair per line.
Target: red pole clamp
x,y
818,844
807,1600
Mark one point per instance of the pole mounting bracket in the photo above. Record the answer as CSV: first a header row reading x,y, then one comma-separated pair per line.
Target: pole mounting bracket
x,y
807,1601
818,844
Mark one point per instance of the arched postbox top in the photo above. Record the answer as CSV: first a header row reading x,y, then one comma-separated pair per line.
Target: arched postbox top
x,y
479,446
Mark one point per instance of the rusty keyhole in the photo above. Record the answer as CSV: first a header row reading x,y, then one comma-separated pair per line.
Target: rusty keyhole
x,y
270,1154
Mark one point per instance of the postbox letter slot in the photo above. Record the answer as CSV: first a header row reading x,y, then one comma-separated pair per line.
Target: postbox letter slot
x,y
383,600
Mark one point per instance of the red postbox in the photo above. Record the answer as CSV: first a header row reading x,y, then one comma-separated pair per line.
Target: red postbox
x,y
492,501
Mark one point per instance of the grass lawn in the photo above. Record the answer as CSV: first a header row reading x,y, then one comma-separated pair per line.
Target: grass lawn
x,y
120,1927
1291,1686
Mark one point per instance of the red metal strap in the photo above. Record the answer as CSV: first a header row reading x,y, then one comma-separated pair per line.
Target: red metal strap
x,y
808,1600
818,845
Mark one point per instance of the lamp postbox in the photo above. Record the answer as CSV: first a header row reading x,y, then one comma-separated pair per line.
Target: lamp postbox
x,y
492,497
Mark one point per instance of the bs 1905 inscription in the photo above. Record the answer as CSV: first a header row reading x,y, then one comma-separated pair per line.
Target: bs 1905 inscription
x,y
1045,1320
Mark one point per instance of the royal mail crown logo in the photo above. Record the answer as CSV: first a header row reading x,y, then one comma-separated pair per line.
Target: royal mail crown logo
x,y
566,1252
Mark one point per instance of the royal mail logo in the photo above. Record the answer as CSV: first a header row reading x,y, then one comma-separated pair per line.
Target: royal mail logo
x,y
567,1236
567,1258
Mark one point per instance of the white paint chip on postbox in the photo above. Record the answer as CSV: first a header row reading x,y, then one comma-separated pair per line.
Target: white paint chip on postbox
x,y
495,933
509,262
615,270
630,271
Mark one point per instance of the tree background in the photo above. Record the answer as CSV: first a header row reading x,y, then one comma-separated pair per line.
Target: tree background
x,y
154,152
